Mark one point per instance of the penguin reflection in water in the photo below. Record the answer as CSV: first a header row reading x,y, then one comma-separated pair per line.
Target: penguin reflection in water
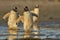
x,y
12,26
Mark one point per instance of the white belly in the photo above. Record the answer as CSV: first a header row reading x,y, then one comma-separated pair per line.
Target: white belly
x,y
12,19
35,18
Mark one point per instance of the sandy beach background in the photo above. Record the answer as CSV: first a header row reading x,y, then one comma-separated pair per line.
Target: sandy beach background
x,y
49,10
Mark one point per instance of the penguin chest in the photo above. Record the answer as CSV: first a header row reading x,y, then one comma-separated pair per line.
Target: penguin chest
x,y
27,19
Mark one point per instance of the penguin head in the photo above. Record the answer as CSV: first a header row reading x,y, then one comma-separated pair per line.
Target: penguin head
x,y
15,9
36,6
26,8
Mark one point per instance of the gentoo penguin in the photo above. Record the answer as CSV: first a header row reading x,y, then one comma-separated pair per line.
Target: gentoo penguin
x,y
27,22
36,20
12,26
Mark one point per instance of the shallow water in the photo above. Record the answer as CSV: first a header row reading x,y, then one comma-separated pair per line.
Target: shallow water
x,y
44,32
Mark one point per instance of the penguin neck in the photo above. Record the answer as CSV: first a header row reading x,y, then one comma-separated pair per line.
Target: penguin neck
x,y
36,9
13,11
26,12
